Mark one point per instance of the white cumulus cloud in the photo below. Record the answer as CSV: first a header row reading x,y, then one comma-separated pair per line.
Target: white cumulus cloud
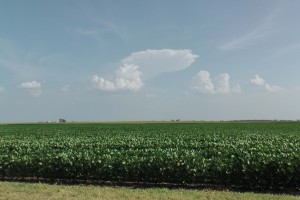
x,y
257,80
102,84
222,84
127,78
142,65
33,87
1,89
202,83
273,88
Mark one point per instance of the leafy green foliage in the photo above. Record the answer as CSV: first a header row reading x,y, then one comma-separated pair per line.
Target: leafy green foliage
x,y
243,154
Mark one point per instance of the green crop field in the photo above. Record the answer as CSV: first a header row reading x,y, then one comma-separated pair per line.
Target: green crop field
x,y
253,155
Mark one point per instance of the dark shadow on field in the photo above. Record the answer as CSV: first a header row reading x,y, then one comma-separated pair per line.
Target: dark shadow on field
x,y
145,185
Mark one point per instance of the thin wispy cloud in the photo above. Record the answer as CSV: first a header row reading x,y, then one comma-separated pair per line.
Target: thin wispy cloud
x,y
253,36
88,32
286,50
245,40
92,33
98,32
65,88
14,60
101,25
22,69
9,65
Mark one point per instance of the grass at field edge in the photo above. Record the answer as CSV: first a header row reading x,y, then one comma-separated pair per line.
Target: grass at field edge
x,y
144,185
26,191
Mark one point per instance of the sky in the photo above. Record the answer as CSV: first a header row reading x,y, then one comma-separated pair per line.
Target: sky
x,y
135,60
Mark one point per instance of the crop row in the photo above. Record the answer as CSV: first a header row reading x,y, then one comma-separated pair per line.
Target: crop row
x,y
253,155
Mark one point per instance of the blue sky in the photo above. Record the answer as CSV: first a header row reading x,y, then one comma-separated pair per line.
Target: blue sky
x,y
149,60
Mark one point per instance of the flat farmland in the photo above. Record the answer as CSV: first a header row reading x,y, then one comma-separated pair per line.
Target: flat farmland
x,y
251,155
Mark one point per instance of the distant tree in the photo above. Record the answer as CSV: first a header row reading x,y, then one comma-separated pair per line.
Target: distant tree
x,y
62,120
